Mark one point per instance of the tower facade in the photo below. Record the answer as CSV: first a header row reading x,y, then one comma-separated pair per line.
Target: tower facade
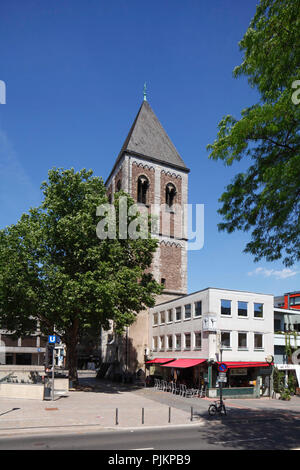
x,y
150,169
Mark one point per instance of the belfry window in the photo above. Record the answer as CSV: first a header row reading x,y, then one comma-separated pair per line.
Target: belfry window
x,y
119,186
142,189
170,194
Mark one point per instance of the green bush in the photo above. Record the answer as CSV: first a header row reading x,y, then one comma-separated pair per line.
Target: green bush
x,y
285,395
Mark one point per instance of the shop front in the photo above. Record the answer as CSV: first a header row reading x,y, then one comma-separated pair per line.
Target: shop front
x,y
241,380
190,372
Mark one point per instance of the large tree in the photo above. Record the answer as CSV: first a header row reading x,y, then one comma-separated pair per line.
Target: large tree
x,y
265,199
54,268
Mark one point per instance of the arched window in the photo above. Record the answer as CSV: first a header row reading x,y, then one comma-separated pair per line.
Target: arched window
x,y
119,186
142,189
170,194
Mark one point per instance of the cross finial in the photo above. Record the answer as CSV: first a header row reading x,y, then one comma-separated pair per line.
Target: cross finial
x,y
145,92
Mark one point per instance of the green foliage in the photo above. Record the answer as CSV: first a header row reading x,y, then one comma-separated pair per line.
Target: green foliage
x,y
54,269
278,380
285,395
266,198
292,382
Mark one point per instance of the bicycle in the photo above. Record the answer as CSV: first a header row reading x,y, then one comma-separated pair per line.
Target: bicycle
x,y
217,407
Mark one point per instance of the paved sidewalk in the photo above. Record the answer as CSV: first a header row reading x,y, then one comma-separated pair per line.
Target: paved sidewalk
x,y
88,410
94,409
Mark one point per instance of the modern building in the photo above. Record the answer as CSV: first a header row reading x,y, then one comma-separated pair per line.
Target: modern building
x,y
287,334
22,351
190,336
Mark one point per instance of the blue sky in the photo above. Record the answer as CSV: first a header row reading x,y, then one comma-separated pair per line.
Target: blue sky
x,y
74,72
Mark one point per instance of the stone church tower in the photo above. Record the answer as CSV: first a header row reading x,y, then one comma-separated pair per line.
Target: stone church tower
x,y
150,169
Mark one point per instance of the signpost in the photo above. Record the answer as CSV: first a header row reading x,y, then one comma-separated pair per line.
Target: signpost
x,y
52,340
222,368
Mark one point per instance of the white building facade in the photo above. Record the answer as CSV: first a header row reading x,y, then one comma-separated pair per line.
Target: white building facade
x,y
215,325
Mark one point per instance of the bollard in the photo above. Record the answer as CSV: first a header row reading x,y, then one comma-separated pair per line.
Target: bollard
x,y
117,416
192,413
169,414
142,415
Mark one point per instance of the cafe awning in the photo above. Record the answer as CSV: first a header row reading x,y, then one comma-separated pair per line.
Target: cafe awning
x,y
159,360
243,365
184,363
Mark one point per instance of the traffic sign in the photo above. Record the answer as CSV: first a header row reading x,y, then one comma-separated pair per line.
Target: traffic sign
x,y
222,367
52,339
222,379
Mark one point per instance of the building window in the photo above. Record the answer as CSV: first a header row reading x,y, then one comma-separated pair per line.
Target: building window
x,y
155,318
187,311
258,310
225,307
162,317
295,300
243,309
242,341
170,342
170,195
119,186
178,313
187,341
178,341
170,316
198,309
225,339
198,341
258,341
142,189
277,325
155,343
162,343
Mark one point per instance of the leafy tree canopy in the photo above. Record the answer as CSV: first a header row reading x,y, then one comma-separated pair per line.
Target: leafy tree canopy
x,y
265,199
54,269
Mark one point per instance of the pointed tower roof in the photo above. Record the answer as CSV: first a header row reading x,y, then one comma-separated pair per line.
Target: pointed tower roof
x,y
148,139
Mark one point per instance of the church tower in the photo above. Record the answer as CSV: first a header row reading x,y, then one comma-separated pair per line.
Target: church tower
x,y
150,169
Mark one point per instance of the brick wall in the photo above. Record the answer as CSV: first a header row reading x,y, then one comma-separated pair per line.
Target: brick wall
x,y
170,265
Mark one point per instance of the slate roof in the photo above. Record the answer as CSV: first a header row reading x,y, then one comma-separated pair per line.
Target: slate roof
x,y
148,139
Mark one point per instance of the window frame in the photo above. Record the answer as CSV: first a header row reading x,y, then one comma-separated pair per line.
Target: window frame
x,y
230,339
226,314
188,348
243,348
247,310
170,310
198,348
257,348
198,302
160,317
255,316
142,190
185,311
176,312
169,348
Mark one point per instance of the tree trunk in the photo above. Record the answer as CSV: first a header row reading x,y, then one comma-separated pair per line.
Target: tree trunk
x,y
71,346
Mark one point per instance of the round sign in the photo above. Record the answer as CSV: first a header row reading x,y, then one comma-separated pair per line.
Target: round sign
x,y
222,367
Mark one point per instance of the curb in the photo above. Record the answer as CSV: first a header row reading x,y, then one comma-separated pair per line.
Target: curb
x,y
88,428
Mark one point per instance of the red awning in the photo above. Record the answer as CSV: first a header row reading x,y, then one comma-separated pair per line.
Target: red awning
x,y
243,365
159,360
184,363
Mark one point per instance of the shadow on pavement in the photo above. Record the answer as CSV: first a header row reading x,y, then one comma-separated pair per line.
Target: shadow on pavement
x,y
92,384
254,429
